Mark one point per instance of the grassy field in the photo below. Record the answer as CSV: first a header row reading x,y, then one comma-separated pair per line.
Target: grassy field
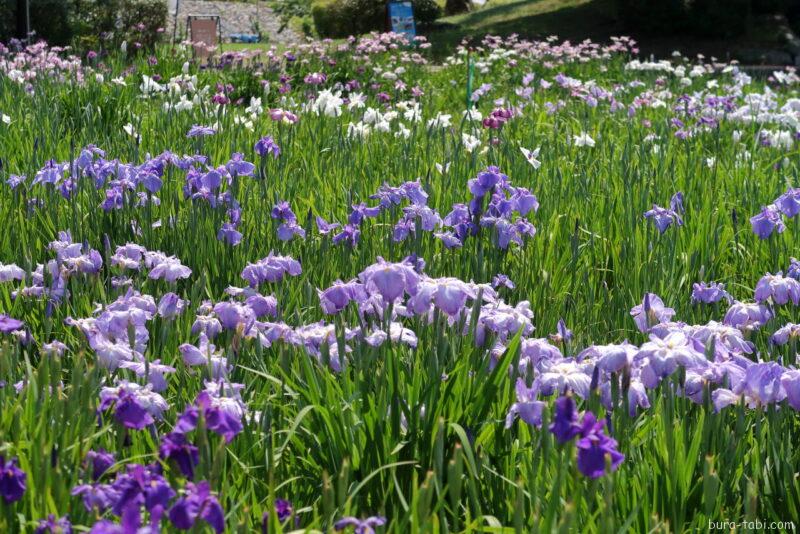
x,y
527,290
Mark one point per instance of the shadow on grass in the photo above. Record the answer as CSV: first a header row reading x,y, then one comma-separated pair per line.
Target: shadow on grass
x,y
594,20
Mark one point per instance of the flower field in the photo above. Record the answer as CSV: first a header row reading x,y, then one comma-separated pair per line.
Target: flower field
x,y
541,286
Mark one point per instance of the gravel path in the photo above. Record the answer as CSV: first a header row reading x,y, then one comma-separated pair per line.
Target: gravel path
x,y
236,17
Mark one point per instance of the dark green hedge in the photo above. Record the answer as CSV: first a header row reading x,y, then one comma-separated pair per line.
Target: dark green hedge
x,y
84,22
341,18
702,18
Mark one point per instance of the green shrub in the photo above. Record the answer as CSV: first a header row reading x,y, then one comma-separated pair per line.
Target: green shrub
x,y
719,18
330,18
47,21
653,16
426,11
701,18
83,23
143,21
341,18
8,20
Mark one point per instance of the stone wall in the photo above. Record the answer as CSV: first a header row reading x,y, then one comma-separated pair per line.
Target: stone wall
x,y
236,17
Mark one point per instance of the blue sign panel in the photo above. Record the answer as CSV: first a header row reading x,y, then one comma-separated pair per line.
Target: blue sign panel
x,y
401,17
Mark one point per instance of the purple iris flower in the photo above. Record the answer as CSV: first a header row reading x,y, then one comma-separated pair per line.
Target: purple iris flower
x,y
610,358
360,212
790,380
229,234
534,351
510,232
567,374
135,406
428,217
9,324
54,525
563,334
169,269
447,294
283,509
390,280
175,446
565,419
51,173
523,202
100,460
238,166
207,324
140,486
789,202
402,230
502,280
785,333
262,306
766,222
659,358
12,480
504,320
187,420
99,497
594,446
747,316
325,227
360,526
266,145
527,407
198,502
637,397
663,217
15,181
794,268
315,78
271,269
397,333
709,293
289,230
128,256
349,235
761,385
762,382
205,355
722,398
200,131
153,372
283,211
651,312
335,298
11,272
486,181
676,202
130,413
170,306
106,526
219,419
778,289
233,316
449,239
459,214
